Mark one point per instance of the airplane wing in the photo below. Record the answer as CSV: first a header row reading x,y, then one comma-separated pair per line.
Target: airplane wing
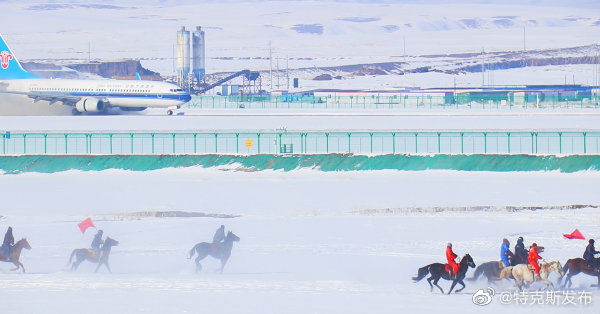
x,y
67,100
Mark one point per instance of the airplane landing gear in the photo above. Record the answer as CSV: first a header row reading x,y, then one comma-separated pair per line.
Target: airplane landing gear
x,y
170,110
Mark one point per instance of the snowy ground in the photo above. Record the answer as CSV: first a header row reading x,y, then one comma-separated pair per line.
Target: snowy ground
x,y
304,247
294,120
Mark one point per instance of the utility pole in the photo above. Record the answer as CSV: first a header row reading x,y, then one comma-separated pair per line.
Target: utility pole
x,y
278,74
524,40
271,66
482,67
89,52
287,71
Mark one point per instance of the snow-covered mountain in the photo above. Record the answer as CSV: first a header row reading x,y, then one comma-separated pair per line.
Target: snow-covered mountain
x,y
301,34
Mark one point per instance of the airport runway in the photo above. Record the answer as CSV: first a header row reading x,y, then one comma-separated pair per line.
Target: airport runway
x,y
224,121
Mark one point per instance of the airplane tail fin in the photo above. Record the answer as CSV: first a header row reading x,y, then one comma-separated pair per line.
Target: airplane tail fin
x,y
10,68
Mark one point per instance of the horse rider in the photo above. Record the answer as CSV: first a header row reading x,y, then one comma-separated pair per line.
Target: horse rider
x,y
97,242
532,258
450,256
9,241
219,235
505,253
520,252
588,255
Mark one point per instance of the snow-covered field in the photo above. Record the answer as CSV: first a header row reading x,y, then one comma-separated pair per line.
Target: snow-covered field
x,y
295,120
311,242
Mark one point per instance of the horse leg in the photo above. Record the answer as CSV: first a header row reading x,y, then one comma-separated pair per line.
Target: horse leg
x,y
435,281
22,267
568,281
198,259
429,282
74,265
463,286
452,286
98,267
223,262
107,266
16,264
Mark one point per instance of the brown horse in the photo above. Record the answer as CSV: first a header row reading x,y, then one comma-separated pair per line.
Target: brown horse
x,y
221,251
491,270
88,255
15,253
575,266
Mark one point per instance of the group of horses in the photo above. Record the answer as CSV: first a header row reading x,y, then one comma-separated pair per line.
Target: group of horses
x,y
494,271
221,251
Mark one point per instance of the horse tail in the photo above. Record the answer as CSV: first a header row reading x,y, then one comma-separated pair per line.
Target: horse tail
x,y
193,250
505,273
564,269
71,258
478,272
423,271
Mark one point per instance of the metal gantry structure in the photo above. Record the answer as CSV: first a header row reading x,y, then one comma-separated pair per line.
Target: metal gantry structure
x,y
547,142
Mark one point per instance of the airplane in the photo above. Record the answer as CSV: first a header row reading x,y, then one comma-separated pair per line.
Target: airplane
x,y
88,96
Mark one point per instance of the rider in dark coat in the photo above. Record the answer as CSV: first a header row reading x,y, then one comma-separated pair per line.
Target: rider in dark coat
x,y
9,241
97,242
520,252
219,235
588,255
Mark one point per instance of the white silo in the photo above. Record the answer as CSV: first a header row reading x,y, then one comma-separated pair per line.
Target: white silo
x,y
198,54
182,57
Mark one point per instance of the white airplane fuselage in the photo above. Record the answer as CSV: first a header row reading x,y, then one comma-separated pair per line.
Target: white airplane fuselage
x,y
117,93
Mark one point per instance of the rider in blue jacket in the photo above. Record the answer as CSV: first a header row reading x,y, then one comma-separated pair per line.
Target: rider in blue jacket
x,y
505,252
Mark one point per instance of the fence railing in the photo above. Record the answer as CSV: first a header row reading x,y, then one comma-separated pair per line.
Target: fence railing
x,y
370,143
392,102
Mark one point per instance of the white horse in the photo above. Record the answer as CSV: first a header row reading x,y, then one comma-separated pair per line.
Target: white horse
x,y
524,276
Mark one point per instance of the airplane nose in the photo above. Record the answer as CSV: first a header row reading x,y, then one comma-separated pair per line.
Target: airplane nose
x,y
186,98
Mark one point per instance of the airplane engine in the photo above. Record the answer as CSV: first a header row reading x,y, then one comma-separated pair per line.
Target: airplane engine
x,y
90,105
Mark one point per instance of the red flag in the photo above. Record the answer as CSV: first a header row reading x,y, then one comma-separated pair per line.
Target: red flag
x,y
86,224
574,235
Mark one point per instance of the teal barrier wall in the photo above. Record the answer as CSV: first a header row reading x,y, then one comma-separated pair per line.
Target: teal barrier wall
x,y
329,162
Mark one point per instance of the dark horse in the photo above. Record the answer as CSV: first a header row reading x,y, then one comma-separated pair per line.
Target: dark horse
x,y
221,251
576,266
491,270
438,270
15,253
87,254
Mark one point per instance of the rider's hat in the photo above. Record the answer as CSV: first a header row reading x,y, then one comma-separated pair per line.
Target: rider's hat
x,y
591,241
533,244
505,240
449,244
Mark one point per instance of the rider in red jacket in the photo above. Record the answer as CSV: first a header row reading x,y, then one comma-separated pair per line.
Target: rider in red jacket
x,y
450,256
533,257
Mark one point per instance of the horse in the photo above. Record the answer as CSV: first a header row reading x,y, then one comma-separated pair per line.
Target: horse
x,y
491,270
518,259
15,253
575,266
87,254
438,270
221,251
524,276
